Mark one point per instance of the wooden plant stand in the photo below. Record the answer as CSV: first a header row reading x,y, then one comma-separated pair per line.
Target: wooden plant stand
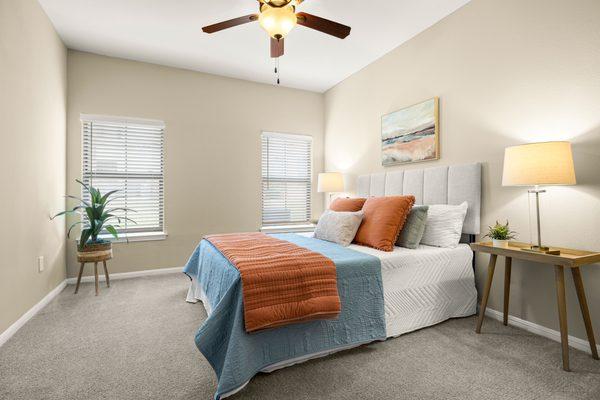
x,y
94,253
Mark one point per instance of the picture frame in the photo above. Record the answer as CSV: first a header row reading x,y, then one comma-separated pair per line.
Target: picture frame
x,y
411,134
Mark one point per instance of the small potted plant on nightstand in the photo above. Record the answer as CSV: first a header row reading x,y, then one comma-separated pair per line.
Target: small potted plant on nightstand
x,y
100,217
500,234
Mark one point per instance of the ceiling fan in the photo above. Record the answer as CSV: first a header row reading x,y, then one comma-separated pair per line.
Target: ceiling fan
x,y
278,18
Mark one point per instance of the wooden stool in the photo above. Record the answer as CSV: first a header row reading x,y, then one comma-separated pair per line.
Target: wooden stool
x,y
94,253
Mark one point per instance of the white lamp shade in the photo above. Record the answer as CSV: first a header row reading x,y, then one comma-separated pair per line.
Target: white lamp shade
x,y
330,182
547,163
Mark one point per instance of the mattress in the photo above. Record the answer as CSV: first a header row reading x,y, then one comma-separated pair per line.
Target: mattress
x,y
425,286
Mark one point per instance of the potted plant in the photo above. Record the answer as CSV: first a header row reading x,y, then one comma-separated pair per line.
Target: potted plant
x,y
99,218
500,234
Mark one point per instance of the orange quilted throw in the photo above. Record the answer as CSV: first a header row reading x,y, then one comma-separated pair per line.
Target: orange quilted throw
x,y
282,282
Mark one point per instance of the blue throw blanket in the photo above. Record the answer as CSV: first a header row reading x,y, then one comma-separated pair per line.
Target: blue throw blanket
x,y
237,356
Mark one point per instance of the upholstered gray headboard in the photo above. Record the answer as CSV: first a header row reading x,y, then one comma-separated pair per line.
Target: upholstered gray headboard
x,y
439,185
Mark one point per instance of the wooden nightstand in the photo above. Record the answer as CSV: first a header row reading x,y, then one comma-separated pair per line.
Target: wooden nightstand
x,y
572,259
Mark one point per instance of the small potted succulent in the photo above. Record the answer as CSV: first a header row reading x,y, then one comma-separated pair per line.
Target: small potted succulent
x,y
500,234
100,217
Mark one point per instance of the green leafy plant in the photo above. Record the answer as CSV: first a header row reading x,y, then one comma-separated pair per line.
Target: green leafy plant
x,y
501,232
99,216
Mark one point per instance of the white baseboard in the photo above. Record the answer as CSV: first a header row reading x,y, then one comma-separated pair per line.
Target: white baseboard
x,y
576,343
7,334
125,275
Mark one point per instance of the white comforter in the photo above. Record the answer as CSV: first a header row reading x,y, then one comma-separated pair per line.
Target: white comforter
x,y
425,286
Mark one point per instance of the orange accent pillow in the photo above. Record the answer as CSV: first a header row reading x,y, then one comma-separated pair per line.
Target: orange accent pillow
x,y
383,220
347,205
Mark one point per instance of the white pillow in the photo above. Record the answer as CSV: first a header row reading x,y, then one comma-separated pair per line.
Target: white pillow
x,y
444,225
338,227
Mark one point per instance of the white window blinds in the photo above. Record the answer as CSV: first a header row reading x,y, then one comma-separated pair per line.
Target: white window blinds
x,y
127,155
286,179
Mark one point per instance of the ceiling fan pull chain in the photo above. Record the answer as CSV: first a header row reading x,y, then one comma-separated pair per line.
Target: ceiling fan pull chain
x,y
277,69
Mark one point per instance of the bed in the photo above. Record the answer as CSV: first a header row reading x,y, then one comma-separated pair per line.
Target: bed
x,y
384,294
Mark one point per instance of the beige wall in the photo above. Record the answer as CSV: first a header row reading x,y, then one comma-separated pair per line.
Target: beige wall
x,y
507,72
212,145
33,89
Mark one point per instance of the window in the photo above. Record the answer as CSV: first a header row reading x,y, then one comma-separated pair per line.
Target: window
x,y
286,179
127,155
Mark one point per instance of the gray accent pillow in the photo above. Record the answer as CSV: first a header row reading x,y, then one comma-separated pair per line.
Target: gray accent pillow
x,y
414,227
338,227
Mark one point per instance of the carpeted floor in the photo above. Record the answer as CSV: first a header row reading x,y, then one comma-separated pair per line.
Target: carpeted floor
x,y
135,341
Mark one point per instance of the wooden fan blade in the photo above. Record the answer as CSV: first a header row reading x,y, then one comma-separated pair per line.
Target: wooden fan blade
x,y
277,48
323,25
230,23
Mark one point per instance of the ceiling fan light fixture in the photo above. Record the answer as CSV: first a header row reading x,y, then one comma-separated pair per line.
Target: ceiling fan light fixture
x,y
277,21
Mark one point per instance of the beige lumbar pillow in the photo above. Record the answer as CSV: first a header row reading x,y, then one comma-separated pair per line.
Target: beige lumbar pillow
x,y
338,227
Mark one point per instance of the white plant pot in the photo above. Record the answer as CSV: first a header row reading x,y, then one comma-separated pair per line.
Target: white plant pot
x,y
500,243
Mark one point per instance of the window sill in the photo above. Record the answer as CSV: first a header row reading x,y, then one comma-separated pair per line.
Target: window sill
x,y
288,228
135,237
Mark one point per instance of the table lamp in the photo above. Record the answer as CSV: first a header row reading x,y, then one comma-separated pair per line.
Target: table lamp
x,y
539,164
330,182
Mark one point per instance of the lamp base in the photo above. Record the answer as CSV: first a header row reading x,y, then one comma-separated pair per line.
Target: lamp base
x,y
542,249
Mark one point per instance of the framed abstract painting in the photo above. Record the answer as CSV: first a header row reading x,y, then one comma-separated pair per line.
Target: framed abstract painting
x,y
411,134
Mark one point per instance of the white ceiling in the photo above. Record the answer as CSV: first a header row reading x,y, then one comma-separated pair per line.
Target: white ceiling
x,y
168,32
